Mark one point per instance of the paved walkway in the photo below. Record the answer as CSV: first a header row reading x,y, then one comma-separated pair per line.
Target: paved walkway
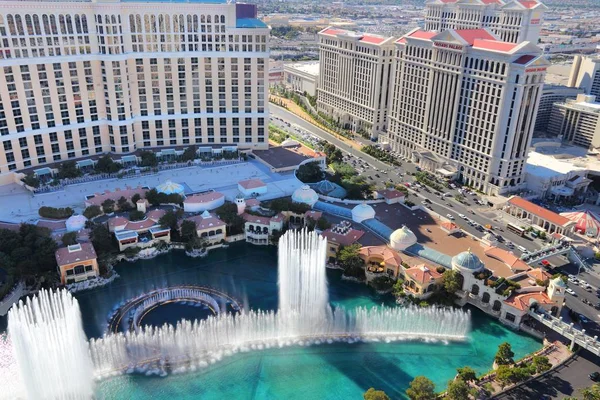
x,y
19,205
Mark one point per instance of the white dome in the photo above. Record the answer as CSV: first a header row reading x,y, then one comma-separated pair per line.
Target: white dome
x,y
305,195
169,187
402,238
361,212
75,223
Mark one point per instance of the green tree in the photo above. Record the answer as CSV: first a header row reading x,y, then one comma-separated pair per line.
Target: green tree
x,y
92,211
108,206
189,154
309,172
457,390
505,375
123,204
323,224
153,197
373,394
69,238
382,283
591,393
188,230
148,159
451,281
398,289
540,364
68,169
135,198
228,214
103,240
504,355
466,374
421,388
106,165
348,256
136,215
31,180
170,220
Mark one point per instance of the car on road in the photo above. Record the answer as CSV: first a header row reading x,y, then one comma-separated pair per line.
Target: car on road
x,y
472,212
571,292
463,216
588,288
450,217
583,283
595,376
572,276
545,263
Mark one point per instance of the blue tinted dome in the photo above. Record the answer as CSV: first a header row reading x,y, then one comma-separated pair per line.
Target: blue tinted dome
x,y
467,260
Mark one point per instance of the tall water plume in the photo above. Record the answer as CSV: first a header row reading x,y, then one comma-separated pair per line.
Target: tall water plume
x,y
302,275
51,349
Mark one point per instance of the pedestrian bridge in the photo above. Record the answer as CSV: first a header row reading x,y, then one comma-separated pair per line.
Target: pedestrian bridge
x,y
568,331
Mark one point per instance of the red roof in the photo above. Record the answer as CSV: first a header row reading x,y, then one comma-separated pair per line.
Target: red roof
x,y
251,183
528,3
388,255
524,59
423,274
513,262
256,219
522,301
389,194
345,240
448,1
490,1
401,40
539,274
72,254
332,31
316,215
422,34
541,212
493,45
372,39
204,223
470,35
203,198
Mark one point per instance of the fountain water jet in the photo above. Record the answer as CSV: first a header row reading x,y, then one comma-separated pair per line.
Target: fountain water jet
x,y
48,335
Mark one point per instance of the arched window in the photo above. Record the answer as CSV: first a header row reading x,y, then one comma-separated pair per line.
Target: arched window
x,y
53,24
132,23
208,19
485,298
475,290
497,305
69,24
28,24
84,24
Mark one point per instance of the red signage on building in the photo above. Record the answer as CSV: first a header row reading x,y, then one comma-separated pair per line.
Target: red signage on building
x,y
535,21
448,46
540,69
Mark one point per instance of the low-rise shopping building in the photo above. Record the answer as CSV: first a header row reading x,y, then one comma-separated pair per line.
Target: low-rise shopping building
x,y
532,214
209,228
340,235
258,229
203,201
143,233
302,77
252,187
76,263
422,281
380,260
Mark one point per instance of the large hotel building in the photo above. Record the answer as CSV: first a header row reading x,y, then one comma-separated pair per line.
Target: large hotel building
x,y
80,78
354,76
513,21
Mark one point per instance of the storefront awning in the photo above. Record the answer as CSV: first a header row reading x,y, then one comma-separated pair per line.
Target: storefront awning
x,y
129,159
43,171
85,163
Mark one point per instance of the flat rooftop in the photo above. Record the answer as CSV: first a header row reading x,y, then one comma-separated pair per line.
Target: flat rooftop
x,y
283,157
547,166
308,67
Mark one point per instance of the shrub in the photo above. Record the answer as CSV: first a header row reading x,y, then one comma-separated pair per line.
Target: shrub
x,y
31,180
108,206
92,211
55,213
382,283
69,238
136,215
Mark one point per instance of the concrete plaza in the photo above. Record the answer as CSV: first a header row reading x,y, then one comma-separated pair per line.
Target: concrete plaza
x,y
19,205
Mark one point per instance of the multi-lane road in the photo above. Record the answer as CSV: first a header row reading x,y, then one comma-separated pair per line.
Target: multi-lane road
x,y
372,169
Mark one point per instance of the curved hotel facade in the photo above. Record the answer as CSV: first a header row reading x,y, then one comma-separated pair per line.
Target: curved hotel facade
x,y
83,78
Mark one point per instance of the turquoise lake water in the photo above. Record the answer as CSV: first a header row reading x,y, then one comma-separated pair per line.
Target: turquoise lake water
x,y
338,371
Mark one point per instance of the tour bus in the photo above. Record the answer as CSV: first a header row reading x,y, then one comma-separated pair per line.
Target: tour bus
x,y
515,229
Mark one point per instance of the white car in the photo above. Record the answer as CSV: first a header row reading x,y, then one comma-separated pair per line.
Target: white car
x,y
583,283
462,216
571,292
450,217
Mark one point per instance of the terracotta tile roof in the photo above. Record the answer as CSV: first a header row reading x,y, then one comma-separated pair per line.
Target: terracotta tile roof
x,y
52,225
508,258
313,214
332,31
539,274
372,39
389,194
524,59
449,226
252,202
277,218
494,45
203,198
401,40
64,256
10,226
522,301
117,221
256,219
116,195
156,214
529,3
205,223
251,183
471,35
541,212
422,274
138,226
345,240
388,255
422,34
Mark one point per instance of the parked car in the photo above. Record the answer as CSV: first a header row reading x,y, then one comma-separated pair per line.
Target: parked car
x,y
463,216
450,217
595,376
571,292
